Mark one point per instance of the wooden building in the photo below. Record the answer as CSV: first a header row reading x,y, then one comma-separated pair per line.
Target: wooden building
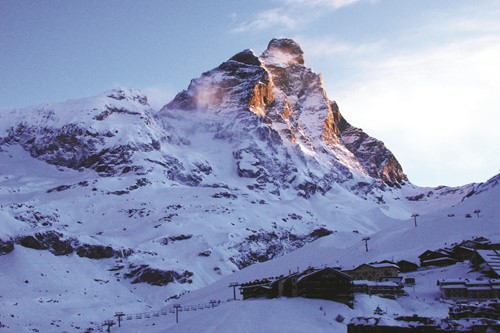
x,y
417,324
373,272
326,283
257,289
441,257
387,289
487,262
406,266
484,289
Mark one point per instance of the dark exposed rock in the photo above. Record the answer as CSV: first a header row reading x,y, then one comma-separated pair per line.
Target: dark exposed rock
x,y
121,94
240,81
320,232
166,240
378,161
266,245
59,188
156,277
206,253
95,251
247,57
50,240
226,195
6,246
35,218
32,243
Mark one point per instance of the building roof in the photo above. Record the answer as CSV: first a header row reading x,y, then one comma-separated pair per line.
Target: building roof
x,y
384,265
492,259
439,260
375,284
323,269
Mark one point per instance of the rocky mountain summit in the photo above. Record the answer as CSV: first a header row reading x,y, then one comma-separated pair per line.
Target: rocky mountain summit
x,y
251,162
291,102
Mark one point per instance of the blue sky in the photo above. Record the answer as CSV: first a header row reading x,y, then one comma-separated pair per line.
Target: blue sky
x,y
421,75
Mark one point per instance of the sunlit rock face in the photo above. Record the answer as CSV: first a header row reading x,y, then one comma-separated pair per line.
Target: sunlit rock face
x,y
239,83
299,92
294,106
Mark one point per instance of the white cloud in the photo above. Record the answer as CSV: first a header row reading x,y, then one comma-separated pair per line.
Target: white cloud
x,y
328,4
268,19
437,109
330,46
291,14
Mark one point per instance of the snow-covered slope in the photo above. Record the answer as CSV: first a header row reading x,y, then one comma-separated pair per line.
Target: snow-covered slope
x,y
107,205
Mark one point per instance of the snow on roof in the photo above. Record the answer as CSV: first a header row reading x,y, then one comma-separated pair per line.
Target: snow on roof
x,y
384,265
451,281
492,258
454,286
322,269
439,259
374,283
479,288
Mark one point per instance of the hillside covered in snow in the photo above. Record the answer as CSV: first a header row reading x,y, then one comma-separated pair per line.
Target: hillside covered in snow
x,y
107,205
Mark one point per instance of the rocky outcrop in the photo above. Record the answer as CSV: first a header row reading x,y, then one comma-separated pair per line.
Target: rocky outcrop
x,y
266,245
239,83
50,240
86,134
157,277
6,246
373,155
299,91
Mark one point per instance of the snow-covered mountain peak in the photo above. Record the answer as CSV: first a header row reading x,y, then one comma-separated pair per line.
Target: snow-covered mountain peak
x,y
128,94
247,57
294,111
283,52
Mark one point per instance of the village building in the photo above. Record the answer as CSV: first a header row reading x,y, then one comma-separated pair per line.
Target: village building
x,y
257,289
481,243
470,289
324,283
387,289
487,262
395,279
373,272
417,324
488,309
461,252
406,266
441,257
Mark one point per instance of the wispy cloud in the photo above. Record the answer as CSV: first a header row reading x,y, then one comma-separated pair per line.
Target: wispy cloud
x,y
328,4
291,14
275,17
440,103
330,46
